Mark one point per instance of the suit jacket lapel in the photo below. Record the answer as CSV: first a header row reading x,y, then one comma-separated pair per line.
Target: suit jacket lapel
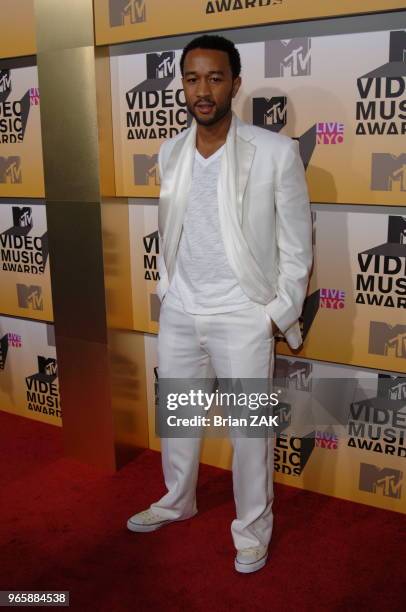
x,y
245,152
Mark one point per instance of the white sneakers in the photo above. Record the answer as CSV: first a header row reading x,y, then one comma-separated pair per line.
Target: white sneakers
x,y
251,559
146,521
247,560
149,521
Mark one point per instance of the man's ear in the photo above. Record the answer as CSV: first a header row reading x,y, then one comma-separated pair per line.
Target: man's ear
x,y
236,85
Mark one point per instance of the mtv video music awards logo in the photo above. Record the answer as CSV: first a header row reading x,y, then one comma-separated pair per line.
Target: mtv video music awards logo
x,y
291,454
220,6
381,107
154,110
378,424
387,340
30,296
146,169
381,280
42,394
332,298
330,132
13,113
288,57
10,170
388,172
126,12
294,374
381,481
19,251
271,113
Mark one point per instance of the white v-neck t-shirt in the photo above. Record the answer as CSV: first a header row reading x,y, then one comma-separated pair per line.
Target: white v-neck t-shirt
x,y
203,280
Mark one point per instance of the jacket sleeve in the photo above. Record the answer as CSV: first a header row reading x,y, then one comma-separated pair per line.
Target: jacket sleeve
x,y
294,245
163,284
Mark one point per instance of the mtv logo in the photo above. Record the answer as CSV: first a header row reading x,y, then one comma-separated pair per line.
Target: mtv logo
x,y
389,387
146,169
398,390
5,82
294,374
47,367
30,296
161,65
386,481
3,351
387,340
288,57
270,113
22,216
388,172
124,12
10,170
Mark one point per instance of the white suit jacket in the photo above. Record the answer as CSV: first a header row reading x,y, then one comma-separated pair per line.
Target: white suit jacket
x,y
264,215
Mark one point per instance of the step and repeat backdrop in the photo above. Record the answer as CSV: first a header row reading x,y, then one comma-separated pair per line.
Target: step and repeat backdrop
x,y
28,365
348,112
343,97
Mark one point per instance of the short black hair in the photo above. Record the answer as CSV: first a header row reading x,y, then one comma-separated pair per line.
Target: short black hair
x,y
219,43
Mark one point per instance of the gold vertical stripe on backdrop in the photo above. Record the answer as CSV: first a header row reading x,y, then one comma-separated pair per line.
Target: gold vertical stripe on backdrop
x,y
117,263
67,81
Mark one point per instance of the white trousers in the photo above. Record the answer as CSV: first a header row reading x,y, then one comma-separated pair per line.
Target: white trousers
x,y
230,345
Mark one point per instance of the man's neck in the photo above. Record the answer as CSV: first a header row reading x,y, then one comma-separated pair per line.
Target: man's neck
x,y
209,138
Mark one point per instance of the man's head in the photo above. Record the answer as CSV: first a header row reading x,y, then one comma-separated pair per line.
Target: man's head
x,y
210,67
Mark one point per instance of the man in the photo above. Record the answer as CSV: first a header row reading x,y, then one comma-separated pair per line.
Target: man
x,y
235,231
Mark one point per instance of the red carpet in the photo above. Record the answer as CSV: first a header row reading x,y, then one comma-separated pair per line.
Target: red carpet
x,y
63,527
